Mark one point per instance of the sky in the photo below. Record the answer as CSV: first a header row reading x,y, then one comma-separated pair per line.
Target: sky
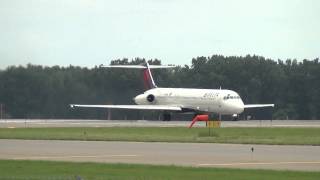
x,y
94,32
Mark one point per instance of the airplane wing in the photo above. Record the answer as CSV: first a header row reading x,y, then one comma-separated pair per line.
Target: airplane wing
x,y
141,107
258,105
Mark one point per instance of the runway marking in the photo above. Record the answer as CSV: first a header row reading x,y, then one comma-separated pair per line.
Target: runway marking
x,y
260,163
79,156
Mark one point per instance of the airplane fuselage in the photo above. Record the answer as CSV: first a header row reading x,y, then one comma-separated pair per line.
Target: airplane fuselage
x,y
219,101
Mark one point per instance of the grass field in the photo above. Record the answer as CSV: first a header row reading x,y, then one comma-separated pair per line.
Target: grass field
x,y
293,136
15,170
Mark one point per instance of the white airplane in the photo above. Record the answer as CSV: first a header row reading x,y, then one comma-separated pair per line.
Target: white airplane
x,y
197,101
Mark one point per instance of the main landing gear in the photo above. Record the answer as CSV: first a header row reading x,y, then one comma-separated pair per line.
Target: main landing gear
x,y
166,117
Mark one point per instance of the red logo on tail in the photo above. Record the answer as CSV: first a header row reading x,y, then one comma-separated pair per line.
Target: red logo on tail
x,y
147,80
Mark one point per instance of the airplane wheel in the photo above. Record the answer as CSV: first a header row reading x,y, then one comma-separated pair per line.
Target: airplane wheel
x,y
235,117
166,117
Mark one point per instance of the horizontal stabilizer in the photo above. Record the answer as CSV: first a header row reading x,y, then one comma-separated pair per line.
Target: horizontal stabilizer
x,y
160,66
141,107
138,66
258,105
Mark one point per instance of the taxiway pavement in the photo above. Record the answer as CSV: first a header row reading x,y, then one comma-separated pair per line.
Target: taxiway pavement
x,y
289,157
15,123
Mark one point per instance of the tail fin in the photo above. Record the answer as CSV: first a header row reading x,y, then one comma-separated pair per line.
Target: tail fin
x,y
147,76
148,79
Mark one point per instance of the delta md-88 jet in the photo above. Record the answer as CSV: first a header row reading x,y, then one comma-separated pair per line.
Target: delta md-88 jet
x,y
197,101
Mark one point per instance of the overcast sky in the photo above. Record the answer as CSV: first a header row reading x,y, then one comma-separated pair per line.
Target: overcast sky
x,y
93,32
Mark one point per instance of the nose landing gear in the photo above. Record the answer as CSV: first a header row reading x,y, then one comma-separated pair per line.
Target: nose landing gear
x,y
235,117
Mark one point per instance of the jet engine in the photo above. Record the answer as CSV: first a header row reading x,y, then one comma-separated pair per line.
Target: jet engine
x,y
150,98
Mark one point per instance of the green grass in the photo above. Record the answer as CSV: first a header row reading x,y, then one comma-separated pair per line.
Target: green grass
x,y
293,136
38,170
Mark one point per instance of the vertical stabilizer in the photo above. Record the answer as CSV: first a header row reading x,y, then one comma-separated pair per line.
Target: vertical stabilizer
x,y
147,78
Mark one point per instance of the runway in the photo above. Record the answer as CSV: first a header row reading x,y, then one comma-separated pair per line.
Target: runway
x,y
15,123
283,157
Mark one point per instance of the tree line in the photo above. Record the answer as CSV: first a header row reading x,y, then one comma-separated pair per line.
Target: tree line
x,y
36,91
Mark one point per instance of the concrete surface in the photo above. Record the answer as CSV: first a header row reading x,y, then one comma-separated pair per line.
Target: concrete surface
x,y
305,158
12,123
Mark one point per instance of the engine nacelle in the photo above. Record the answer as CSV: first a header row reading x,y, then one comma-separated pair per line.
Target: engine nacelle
x,y
150,98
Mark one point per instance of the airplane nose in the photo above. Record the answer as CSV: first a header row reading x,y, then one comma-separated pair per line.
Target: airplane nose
x,y
239,106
